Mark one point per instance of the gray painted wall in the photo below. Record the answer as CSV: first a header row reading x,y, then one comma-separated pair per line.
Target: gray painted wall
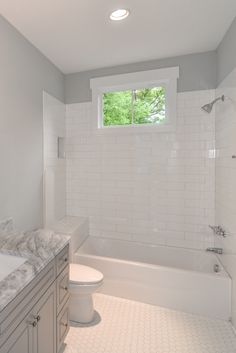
x,y
24,74
197,72
226,53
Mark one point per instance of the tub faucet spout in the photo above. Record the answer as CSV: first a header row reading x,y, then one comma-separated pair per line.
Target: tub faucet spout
x,y
215,250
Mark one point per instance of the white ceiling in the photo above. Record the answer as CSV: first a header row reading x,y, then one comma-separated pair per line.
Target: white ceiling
x,y
77,35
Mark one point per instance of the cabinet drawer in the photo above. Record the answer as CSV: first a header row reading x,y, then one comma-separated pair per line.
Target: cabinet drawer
x,y
62,288
62,259
62,325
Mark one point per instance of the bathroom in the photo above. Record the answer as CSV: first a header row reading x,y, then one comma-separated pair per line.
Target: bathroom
x,y
117,182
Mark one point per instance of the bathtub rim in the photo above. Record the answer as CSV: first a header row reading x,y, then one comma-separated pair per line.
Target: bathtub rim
x,y
223,274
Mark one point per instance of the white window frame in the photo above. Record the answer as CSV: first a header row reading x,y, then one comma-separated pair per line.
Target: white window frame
x,y
166,78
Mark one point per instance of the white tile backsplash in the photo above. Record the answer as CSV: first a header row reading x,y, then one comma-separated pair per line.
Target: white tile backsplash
x,y
150,187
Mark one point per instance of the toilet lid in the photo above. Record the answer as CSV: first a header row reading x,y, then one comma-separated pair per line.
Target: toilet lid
x,y
80,274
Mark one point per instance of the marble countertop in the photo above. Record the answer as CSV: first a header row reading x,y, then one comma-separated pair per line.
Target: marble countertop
x,y
38,248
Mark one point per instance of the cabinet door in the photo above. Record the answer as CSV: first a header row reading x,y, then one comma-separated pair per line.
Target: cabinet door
x,y
45,316
21,341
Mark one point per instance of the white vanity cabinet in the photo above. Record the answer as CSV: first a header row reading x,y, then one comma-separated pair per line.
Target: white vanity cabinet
x,y
38,320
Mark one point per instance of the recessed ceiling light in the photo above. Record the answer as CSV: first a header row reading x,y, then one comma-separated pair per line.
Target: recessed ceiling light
x,y
119,14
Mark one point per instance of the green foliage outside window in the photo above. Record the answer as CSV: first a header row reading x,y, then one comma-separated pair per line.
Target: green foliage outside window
x,y
141,106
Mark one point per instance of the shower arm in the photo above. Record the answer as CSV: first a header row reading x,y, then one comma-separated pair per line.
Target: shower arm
x,y
222,98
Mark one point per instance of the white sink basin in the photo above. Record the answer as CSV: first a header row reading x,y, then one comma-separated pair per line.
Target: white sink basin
x,y
8,264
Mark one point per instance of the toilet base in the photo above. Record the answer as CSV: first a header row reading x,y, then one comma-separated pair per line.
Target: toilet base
x,y
81,308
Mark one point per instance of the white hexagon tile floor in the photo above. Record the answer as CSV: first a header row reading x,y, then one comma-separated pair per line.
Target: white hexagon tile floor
x,y
131,327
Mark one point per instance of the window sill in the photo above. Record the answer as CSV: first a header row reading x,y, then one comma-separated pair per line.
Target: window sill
x,y
136,129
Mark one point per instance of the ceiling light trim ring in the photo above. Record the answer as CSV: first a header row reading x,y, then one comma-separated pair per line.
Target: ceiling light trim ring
x,y
119,14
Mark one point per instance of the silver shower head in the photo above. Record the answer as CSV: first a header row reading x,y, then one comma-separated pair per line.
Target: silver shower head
x,y
208,107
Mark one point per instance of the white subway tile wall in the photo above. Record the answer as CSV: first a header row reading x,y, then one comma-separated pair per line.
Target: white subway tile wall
x,y
150,187
226,178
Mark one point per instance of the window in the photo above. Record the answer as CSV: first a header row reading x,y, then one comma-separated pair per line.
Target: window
x,y
139,106
145,99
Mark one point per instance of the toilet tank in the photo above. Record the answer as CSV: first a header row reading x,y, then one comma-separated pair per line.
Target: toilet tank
x,y
77,228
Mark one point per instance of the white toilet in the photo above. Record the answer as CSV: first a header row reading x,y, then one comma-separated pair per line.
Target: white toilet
x,y
83,280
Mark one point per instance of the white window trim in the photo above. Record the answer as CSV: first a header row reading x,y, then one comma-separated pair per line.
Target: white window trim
x,y
152,78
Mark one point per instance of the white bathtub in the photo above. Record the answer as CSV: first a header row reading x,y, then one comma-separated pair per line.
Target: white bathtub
x,y
175,278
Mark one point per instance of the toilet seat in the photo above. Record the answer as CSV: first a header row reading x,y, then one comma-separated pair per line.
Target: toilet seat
x,y
82,275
